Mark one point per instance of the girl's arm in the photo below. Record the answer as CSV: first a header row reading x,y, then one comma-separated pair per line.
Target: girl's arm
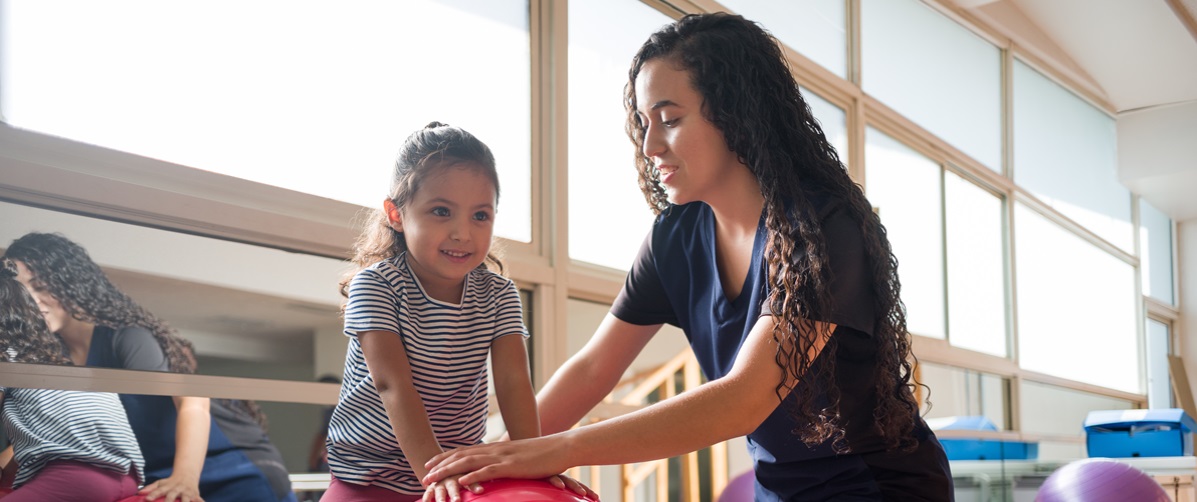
x,y
387,360
719,410
513,387
192,428
587,377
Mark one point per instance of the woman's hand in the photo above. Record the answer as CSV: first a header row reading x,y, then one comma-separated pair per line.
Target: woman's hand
x,y
175,488
535,458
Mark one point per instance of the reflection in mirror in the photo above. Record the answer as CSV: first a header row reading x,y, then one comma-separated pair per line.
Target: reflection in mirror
x,y
230,309
249,311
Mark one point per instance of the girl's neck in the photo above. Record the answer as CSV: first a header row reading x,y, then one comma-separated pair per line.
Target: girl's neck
x,y
77,335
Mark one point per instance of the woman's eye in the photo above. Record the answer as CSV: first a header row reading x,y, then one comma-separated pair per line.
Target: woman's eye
x,y
440,211
669,123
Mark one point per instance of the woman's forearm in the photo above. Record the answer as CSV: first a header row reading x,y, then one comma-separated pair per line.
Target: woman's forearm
x,y
191,436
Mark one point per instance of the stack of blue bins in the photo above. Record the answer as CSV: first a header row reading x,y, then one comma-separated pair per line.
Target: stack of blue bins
x,y
1139,433
980,449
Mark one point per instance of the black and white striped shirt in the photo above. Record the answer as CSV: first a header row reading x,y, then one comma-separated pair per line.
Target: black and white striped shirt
x,y
52,425
447,347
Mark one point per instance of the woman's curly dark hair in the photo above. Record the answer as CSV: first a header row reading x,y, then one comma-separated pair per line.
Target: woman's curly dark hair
x,y
751,96
63,268
24,336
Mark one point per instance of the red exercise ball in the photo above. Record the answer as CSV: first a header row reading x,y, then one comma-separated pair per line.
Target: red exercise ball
x,y
522,490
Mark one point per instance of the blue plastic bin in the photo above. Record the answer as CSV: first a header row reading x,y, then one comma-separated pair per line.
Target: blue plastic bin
x,y
1139,433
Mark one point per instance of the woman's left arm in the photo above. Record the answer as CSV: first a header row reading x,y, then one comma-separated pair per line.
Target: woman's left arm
x,y
719,410
191,446
513,387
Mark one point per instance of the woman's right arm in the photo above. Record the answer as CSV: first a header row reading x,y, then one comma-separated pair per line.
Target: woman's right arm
x,y
587,377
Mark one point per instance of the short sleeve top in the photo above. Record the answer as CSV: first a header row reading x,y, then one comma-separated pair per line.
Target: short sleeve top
x,y
675,280
46,425
447,347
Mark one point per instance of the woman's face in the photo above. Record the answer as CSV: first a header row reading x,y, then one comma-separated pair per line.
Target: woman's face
x,y
56,316
688,151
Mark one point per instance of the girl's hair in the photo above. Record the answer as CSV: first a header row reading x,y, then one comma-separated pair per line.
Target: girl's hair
x,y
425,151
24,336
751,96
65,270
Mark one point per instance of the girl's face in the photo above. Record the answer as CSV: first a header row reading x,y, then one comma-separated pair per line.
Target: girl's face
x,y
448,225
56,316
687,150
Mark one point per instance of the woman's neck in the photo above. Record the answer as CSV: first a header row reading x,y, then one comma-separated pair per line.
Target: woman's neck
x,y
738,206
77,335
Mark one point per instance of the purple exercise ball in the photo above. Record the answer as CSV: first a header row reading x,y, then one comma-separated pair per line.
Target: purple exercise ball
x,y
742,488
1100,480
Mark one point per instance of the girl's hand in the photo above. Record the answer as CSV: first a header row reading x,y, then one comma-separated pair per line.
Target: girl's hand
x,y
447,490
567,483
535,458
174,488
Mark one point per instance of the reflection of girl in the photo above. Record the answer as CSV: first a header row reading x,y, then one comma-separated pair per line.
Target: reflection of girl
x,y
192,448
61,439
771,260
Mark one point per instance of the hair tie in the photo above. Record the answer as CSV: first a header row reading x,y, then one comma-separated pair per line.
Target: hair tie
x,y
8,268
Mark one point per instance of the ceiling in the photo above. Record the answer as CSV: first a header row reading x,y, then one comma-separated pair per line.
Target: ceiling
x,y
1140,56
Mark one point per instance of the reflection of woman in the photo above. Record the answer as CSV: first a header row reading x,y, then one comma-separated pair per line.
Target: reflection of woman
x,y
770,259
61,439
193,448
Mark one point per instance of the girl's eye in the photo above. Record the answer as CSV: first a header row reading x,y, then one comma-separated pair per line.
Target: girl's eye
x,y
440,211
669,123
482,216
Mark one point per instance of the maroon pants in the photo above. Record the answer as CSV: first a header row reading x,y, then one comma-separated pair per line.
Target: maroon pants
x,y
340,491
71,481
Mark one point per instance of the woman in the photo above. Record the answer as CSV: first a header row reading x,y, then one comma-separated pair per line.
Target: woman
x,y
194,449
771,260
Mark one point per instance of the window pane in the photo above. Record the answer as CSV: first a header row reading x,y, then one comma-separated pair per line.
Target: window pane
x,y
1159,346
904,187
934,71
1155,252
1065,415
815,28
832,119
976,269
1076,300
608,216
957,392
293,94
1065,154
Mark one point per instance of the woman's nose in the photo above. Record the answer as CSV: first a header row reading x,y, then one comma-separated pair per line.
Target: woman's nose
x,y
653,145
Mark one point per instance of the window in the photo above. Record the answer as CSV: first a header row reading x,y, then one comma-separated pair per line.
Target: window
x,y
1065,154
1159,347
934,71
904,188
1077,313
832,119
608,216
957,392
318,103
818,29
975,267
1155,253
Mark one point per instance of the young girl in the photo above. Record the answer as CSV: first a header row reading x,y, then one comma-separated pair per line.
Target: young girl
x,y
61,440
194,448
771,260
423,313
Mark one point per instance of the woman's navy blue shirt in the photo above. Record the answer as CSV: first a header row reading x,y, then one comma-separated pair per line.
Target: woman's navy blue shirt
x,y
675,280
240,465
